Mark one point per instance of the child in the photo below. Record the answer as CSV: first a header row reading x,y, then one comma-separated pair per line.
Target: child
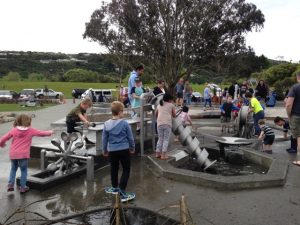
x,y
268,136
164,112
21,134
226,111
118,144
185,117
78,114
257,109
136,93
286,126
227,108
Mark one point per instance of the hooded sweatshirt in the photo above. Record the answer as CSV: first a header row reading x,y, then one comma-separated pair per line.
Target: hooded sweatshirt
x,y
21,141
117,136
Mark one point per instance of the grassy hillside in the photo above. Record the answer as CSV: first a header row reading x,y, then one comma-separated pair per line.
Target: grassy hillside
x,y
65,87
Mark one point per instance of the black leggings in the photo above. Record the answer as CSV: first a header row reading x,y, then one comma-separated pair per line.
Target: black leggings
x,y
115,157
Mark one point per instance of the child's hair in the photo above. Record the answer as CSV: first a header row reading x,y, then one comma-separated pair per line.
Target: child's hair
x,y
185,109
116,107
22,120
262,122
278,119
167,97
248,95
87,101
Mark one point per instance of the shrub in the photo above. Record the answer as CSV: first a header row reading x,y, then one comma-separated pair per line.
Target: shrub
x,y
80,75
281,86
35,77
12,76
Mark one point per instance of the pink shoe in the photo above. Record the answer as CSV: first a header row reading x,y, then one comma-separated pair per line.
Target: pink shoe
x,y
10,187
23,190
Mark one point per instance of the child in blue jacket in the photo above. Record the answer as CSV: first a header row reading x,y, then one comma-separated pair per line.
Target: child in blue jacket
x,y
118,144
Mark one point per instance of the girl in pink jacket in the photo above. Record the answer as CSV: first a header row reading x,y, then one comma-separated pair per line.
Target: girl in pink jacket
x,y
19,153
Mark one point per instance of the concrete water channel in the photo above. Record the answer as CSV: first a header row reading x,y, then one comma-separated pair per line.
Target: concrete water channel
x,y
156,192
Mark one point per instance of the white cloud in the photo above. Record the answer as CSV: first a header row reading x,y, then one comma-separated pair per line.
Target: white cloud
x,y
58,25
280,35
46,25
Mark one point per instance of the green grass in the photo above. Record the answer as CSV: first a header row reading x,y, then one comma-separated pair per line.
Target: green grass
x,y
66,87
17,108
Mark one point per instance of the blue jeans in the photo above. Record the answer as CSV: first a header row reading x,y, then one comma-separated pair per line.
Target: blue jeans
x,y
23,164
188,99
258,116
208,100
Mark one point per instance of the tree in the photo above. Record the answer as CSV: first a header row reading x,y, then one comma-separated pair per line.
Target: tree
x,y
173,36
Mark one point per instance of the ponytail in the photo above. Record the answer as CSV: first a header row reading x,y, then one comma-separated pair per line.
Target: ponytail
x,y
161,102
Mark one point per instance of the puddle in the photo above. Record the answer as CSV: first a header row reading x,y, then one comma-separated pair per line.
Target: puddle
x,y
224,168
132,216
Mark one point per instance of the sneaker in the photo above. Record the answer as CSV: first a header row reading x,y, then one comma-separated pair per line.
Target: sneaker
x,y
112,190
10,187
290,150
126,196
23,190
268,151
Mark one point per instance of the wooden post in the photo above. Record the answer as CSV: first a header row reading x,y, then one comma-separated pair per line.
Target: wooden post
x,y
117,208
183,211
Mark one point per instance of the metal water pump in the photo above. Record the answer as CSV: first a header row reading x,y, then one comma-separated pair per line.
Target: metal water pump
x,y
68,159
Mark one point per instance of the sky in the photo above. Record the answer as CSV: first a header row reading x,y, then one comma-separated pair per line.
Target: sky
x,y
58,25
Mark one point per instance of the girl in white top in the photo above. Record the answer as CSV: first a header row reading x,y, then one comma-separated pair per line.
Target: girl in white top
x,y
165,112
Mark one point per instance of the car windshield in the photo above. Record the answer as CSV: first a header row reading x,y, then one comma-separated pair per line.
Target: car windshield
x,y
27,92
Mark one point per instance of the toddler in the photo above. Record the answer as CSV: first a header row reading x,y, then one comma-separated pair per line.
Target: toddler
x,y
19,153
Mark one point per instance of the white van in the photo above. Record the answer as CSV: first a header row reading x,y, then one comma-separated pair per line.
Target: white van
x,y
99,95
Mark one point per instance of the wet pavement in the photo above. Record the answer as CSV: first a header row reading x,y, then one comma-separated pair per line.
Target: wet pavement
x,y
278,206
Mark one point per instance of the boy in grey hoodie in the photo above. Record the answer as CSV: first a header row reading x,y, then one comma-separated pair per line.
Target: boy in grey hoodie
x,y
118,144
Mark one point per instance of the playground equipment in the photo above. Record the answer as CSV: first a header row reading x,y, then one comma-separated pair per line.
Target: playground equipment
x,y
245,123
193,144
184,133
66,163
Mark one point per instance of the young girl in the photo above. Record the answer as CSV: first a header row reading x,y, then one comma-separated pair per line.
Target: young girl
x,y
185,117
164,112
19,153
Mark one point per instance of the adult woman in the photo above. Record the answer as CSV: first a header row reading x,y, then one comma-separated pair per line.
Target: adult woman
x,y
188,92
261,90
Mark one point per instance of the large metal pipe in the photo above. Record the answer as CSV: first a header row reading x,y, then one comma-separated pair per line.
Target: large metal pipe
x,y
192,143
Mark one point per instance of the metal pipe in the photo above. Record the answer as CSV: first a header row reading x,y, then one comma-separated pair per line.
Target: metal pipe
x,y
43,160
89,168
153,129
142,117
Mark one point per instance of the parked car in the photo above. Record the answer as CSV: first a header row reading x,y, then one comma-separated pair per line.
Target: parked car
x,y
25,93
40,93
77,92
99,95
9,94
197,97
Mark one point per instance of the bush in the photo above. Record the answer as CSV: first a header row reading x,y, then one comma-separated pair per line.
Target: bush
x,y
80,75
281,86
35,77
12,76
279,72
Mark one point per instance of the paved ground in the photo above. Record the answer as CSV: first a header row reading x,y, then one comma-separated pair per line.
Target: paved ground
x,y
278,206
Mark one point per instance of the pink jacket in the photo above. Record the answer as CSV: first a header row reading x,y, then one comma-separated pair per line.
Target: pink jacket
x,y
21,141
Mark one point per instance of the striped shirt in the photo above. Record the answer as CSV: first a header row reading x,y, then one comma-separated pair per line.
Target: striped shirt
x,y
268,131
